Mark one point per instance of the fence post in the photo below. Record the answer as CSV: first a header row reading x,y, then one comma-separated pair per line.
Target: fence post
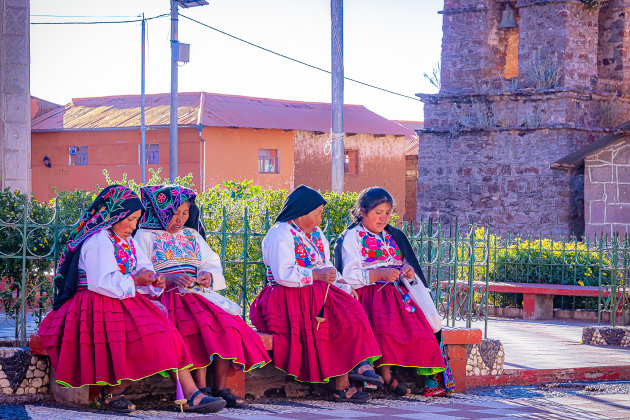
x,y
245,258
455,270
599,281
485,322
23,286
471,275
613,283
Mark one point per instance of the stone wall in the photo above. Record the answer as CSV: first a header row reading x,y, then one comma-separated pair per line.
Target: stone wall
x,y
607,189
488,142
485,358
15,107
22,373
500,178
606,336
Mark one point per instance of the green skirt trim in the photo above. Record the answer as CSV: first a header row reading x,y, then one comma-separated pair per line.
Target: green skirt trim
x,y
422,370
233,360
370,359
103,383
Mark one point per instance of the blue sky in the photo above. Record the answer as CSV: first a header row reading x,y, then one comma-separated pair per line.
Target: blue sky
x,y
387,44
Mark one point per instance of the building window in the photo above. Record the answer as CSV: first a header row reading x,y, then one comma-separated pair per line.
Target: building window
x,y
268,161
350,162
153,154
78,155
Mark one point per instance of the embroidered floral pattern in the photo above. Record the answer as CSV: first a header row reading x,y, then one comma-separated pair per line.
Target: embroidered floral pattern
x,y
125,254
304,254
309,253
376,249
182,247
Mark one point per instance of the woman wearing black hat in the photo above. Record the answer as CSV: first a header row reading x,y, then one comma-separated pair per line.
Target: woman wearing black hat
x,y
299,275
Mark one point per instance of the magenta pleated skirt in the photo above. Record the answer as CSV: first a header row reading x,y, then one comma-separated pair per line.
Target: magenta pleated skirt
x,y
208,330
302,350
93,339
406,339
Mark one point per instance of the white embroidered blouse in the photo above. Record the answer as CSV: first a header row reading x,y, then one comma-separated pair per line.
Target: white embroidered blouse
x,y
291,255
364,250
100,262
183,252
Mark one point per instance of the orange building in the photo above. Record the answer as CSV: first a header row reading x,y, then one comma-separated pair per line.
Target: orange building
x,y
275,143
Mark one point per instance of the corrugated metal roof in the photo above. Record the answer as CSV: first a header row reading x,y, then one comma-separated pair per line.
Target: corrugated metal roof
x,y
411,140
211,109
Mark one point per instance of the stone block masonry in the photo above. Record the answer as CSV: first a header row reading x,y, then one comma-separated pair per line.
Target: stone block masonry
x,y
606,336
607,189
22,373
515,100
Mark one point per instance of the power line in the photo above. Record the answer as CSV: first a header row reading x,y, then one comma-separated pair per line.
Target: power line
x,y
296,60
226,34
97,22
83,16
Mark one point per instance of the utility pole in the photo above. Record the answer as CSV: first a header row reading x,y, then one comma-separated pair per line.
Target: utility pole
x,y
172,159
337,132
143,144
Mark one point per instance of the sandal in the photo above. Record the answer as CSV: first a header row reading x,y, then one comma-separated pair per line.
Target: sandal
x,y
206,405
368,375
231,399
120,404
401,388
341,395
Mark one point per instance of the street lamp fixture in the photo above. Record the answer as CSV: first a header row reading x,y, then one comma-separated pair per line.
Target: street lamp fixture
x,y
191,3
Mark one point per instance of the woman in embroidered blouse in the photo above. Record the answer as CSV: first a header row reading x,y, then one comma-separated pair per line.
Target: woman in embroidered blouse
x,y
172,234
102,330
372,255
299,273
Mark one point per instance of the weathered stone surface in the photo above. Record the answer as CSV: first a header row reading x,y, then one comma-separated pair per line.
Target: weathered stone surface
x,y
488,142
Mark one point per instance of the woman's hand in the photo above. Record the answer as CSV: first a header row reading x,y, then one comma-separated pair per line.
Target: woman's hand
x,y
384,274
160,282
407,271
179,279
327,275
143,277
354,294
205,279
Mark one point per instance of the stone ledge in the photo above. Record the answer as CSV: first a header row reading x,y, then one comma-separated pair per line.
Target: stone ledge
x,y
540,376
606,336
461,336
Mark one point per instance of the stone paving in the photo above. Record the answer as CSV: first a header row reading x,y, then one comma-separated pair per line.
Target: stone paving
x,y
552,344
597,401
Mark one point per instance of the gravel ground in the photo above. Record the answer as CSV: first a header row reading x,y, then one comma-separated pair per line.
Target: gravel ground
x,y
161,408
552,390
51,411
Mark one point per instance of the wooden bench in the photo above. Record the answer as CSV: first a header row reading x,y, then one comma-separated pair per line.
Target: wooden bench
x,y
455,339
537,298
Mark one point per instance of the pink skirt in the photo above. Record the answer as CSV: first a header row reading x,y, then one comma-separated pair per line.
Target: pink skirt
x,y
406,339
302,350
98,340
208,330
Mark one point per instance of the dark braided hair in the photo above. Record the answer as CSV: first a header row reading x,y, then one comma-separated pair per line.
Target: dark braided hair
x,y
368,199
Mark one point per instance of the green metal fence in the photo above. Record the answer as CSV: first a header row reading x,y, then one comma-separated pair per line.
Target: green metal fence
x,y
459,262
